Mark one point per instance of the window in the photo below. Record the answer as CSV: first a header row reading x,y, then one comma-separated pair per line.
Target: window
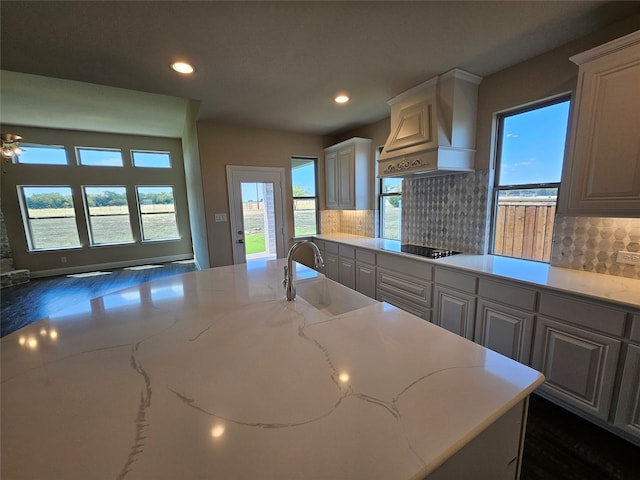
x,y
390,208
42,154
99,157
157,213
49,217
305,200
151,159
108,215
530,153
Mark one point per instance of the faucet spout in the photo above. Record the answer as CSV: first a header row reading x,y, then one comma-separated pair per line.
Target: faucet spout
x,y
289,287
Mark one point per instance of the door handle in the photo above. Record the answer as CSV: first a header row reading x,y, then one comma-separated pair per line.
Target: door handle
x,y
241,240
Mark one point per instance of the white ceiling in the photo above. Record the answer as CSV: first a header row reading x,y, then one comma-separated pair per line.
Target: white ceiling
x,y
272,64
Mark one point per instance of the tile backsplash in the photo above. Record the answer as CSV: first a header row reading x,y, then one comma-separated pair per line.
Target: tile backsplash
x,y
356,222
452,211
447,211
591,244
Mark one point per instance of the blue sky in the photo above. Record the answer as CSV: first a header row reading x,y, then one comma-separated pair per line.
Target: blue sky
x,y
533,145
301,176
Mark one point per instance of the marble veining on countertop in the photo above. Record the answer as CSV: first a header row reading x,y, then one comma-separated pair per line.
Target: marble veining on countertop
x,y
213,374
624,291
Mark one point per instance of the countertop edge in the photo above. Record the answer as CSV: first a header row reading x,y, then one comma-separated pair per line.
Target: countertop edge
x,y
536,274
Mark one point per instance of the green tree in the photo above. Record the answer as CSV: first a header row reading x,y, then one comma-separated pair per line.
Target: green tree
x,y
49,200
394,200
300,192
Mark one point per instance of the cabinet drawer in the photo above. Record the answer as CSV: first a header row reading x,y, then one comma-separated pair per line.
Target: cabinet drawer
x,y
591,315
403,304
407,287
331,247
347,251
415,268
459,281
512,295
366,256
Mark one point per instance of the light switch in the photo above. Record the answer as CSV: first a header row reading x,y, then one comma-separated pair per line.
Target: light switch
x,y
220,217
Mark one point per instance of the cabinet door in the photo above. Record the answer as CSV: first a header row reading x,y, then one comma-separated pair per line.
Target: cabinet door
x,y
579,365
628,410
331,179
331,268
454,311
604,143
347,274
505,330
346,178
366,279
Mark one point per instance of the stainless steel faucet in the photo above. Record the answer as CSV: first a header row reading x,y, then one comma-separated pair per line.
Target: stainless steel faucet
x,y
289,288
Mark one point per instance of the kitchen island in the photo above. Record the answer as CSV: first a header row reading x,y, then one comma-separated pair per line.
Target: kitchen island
x,y
213,374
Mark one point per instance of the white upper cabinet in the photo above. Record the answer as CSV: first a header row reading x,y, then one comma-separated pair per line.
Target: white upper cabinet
x,y
602,168
348,175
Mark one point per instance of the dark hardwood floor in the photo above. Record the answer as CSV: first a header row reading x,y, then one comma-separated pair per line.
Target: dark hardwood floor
x,y
561,445
558,444
30,302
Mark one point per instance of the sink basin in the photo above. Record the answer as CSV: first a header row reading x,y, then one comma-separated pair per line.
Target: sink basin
x,y
331,298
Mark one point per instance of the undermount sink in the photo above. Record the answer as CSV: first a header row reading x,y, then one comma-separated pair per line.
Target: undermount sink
x,y
331,298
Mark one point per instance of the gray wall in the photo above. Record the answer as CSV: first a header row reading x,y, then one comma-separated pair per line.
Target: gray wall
x,y
221,145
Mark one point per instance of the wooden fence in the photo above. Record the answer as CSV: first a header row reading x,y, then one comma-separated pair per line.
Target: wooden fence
x,y
524,228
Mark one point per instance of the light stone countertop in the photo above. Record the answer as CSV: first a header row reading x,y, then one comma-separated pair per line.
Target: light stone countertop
x,y
213,374
624,291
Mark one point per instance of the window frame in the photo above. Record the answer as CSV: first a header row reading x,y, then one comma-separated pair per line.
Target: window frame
x,y
308,197
382,196
136,150
26,219
26,146
77,150
140,215
88,216
500,118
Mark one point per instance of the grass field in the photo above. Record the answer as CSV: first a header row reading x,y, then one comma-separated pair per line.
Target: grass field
x,y
254,243
56,228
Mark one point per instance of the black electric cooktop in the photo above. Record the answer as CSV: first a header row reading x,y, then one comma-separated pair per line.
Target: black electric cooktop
x,y
428,252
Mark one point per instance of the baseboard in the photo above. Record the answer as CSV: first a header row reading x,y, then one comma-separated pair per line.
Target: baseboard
x,y
108,266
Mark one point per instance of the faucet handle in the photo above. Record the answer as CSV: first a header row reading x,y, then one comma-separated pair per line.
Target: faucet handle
x,y
285,280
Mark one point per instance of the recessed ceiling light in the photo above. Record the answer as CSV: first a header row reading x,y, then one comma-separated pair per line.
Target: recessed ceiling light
x,y
341,99
182,67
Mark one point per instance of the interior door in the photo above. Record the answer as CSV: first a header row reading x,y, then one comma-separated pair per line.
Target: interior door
x,y
257,213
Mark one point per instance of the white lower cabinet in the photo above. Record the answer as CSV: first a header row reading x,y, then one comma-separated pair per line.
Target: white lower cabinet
x,y
627,415
331,266
454,302
347,274
454,311
347,266
579,365
366,272
505,318
505,330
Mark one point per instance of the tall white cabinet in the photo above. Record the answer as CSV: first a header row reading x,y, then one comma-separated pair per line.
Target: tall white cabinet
x,y
348,175
602,168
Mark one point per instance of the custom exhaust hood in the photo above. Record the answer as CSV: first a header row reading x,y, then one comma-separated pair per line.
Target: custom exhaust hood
x,y
433,127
